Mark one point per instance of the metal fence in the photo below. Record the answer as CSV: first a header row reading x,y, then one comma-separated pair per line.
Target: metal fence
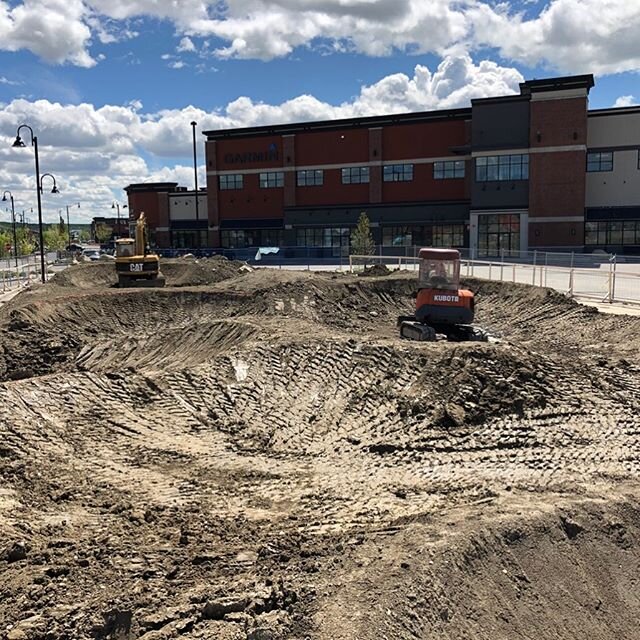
x,y
26,271
603,277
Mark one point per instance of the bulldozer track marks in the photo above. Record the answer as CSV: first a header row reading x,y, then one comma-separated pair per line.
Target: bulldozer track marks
x,y
273,407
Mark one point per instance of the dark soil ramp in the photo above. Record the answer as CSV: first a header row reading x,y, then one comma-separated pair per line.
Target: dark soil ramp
x,y
571,573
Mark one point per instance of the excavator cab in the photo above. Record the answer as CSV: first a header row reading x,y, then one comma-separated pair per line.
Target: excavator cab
x,y
442,307
125,248
135,265
439,269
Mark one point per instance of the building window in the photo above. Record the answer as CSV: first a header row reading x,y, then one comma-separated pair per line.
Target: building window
x,y
498,168
448,169
272,179
232,181
310,178
447,235
323,237
243,238
499,234
189,239
403,236
355,175
599,161
612,232
398,173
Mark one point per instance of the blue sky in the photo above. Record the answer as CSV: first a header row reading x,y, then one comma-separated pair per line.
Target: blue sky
x,y
110,86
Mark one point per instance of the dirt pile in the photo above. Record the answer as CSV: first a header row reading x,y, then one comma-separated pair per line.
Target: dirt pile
x,y
375,270
183,272
260,456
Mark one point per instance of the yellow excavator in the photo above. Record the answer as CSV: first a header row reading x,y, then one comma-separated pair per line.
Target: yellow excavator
x,y
136,266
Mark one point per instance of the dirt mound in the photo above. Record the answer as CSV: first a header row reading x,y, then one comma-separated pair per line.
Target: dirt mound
x,y
375,270
261,456
178,273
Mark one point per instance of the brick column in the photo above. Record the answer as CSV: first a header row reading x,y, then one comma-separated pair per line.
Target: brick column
x,y
375,171
213,234
289,161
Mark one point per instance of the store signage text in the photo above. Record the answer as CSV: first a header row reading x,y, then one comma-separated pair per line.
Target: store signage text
x,y
268,155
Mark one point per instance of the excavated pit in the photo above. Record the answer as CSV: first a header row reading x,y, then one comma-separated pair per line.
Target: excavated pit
x,y
258,455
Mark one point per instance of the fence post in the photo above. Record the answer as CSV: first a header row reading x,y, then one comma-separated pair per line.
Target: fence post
x,y
571,275
533,276
612,278
501,264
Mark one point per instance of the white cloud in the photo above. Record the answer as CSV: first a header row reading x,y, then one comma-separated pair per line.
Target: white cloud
x,y
177,64
186,45
95,152
52,29
625,101
571,36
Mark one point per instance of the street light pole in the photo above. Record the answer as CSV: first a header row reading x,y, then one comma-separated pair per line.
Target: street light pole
x,y
13,223
195,175
34,142
69,226
116,205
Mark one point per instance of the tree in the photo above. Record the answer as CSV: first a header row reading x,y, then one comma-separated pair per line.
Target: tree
x,y
103,233
362,243
5,241
26,245
84,236
54,239
62,227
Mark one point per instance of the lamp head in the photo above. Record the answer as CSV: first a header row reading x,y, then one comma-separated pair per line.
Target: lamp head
x,y
55,189
4,197
18,142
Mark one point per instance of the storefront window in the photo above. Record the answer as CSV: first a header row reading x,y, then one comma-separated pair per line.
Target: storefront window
x,y
498,234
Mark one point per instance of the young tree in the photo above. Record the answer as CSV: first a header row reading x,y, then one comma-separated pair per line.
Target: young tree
x,y
84,236
5,241
54,239
103,233
362,243
26,245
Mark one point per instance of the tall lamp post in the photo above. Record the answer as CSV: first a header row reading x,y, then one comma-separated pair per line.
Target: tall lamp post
x,y
34,143
116,205
195,174
68,226
13,222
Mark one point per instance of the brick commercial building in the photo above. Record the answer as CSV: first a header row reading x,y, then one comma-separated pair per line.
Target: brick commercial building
x,y
536,170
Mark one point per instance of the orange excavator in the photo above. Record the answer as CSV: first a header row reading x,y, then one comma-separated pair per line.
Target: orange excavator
x,y
442,307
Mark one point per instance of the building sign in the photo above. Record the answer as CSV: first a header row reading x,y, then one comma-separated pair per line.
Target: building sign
x,y
268,155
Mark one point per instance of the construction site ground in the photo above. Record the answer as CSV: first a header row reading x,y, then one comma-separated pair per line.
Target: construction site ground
x,y
256,455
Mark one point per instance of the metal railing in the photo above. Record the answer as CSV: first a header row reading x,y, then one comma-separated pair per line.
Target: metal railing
x,y
602,277
28,270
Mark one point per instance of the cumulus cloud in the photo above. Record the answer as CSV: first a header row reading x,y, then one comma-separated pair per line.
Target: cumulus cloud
x,y
625,101
95,152
55,30
186,46
571,36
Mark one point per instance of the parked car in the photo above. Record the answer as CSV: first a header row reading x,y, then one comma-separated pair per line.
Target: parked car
x,y
91,254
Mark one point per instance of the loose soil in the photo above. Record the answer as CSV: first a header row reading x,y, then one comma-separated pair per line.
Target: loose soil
x,y
257,455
